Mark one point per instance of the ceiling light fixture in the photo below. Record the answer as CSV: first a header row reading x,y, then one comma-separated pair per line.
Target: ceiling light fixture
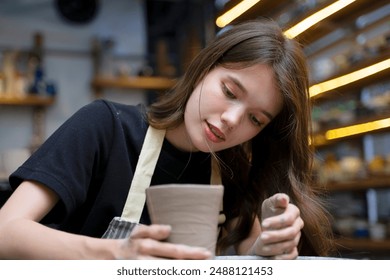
x,y
316,17
357,129
294,31
349,78
235,12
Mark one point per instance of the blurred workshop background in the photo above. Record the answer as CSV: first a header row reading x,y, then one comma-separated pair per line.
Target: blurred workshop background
x,y
57,56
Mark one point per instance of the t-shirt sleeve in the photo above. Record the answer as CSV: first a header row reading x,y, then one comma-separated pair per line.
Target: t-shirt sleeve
x,y
72,156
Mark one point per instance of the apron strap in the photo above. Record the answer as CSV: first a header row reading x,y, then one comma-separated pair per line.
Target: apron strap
x,y
143,174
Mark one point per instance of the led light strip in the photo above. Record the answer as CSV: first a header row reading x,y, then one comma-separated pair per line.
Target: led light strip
x,y
297,29
349,78
357,129
235,12
317,17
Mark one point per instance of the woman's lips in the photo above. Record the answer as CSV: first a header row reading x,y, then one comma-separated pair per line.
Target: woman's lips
x,y
214,134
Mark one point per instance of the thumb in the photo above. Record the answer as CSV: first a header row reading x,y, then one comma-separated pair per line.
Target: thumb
x,y
274,205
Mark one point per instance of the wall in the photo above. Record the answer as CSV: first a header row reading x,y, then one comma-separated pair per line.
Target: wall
x,y
67,59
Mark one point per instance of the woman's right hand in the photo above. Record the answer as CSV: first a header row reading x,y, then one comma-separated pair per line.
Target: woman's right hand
x,y
146,242
23,237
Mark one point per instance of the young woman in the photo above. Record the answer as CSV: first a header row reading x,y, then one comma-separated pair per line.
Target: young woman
x,y
243,101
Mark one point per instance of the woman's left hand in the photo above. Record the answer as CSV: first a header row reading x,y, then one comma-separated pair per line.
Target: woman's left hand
x,y
281,226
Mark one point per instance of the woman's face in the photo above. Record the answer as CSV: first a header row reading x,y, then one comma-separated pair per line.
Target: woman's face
x,y
230,106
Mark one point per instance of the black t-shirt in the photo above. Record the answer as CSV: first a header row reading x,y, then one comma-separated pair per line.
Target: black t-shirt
x,y
90,161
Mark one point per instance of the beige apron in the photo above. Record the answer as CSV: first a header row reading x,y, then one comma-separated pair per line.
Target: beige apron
x,y
121,227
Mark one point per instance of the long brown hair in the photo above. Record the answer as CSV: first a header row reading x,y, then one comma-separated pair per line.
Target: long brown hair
x,y
279,158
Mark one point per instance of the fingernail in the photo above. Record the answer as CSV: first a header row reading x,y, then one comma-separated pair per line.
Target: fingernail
x,y
266,224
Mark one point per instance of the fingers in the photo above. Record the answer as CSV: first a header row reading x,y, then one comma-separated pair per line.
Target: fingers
x,y
149,248
287,249
289,235
281,228
287,218
145,242
158,232
287,255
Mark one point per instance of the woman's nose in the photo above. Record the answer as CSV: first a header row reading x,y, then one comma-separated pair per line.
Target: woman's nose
x,y
232,116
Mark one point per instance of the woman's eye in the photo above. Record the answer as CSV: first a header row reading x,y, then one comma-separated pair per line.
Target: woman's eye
x,y
255,121
227,92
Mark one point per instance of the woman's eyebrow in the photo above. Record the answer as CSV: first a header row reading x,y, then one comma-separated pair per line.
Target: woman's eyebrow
x,y
243,89
238,84
267,114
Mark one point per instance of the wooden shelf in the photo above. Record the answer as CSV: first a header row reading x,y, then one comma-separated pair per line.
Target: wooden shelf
x,y
30,100
149,83
360,184
354,244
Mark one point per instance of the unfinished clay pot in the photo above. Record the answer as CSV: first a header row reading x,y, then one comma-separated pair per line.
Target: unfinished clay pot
x,y
191,210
